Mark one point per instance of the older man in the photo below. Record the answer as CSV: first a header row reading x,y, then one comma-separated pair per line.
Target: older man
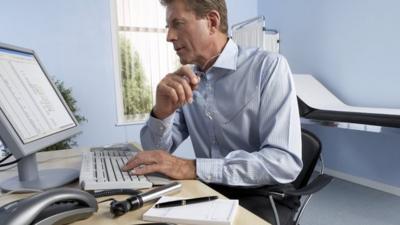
x,y
237,105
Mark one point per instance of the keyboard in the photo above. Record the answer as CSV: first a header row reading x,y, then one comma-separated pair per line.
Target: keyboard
x,y
101,170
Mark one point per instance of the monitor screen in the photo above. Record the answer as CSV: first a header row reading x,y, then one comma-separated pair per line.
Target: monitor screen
x,y
27,98
33,116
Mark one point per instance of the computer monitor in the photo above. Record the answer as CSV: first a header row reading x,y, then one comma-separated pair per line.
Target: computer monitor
x,y
33,115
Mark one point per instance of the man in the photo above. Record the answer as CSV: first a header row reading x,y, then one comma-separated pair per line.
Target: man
x,y
238,106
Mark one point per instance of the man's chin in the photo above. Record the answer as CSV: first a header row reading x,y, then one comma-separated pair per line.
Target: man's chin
x,y
183,61
185,58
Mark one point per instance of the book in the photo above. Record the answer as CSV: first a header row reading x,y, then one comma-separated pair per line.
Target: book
x,y
215,212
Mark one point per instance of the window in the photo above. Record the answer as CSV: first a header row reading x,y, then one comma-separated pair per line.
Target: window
x,y
142,56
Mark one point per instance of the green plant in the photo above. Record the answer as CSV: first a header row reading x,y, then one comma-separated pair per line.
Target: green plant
x,y
136,93
71,102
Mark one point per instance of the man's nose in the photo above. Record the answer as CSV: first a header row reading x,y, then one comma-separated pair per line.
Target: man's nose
x,y
171,35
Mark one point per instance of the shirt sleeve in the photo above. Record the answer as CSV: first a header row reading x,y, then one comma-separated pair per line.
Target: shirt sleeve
x,y
164,134
279,158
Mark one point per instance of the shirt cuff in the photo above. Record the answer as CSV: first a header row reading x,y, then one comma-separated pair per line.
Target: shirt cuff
x,y
209,170
160,127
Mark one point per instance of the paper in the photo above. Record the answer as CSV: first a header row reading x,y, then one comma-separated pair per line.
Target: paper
x,y
216,212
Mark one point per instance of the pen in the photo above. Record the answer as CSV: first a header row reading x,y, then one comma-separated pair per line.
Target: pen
x,y
185,201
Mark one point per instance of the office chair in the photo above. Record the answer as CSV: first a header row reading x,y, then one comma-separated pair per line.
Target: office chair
x,y
301,187
289,206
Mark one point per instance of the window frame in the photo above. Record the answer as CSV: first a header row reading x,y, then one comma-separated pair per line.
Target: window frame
x,y
116,68
118,89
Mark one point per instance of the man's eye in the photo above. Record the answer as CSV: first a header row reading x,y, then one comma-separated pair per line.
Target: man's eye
x,y
178,24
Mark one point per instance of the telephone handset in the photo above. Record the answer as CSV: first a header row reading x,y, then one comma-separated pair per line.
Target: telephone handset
x,y
57,206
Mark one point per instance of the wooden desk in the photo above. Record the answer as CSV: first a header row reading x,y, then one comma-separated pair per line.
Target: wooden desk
x,y
71,159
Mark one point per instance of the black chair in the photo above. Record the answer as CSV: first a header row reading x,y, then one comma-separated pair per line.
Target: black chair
x,y
301,187
284,199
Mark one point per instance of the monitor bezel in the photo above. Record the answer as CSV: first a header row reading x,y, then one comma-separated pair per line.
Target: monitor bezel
x,y
10,137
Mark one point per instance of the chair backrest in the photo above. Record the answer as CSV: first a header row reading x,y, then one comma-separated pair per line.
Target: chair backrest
x,y
311,150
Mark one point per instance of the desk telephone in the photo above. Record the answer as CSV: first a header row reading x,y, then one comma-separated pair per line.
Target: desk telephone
x,y
53,207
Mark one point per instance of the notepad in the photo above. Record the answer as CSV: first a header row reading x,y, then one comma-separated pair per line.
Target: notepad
x,y
216,212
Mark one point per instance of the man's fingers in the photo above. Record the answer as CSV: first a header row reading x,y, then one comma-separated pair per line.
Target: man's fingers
x,y
175,90
188,72
145,169
141,158
132,163
171,92
162,162
178,86
187,90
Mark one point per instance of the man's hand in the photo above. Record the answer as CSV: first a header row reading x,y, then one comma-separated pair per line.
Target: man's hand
x,y
175,90
162,162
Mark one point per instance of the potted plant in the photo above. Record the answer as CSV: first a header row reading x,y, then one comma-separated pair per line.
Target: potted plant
x,y
71,102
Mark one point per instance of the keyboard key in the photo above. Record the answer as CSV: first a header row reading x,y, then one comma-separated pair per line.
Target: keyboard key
x,y
101,169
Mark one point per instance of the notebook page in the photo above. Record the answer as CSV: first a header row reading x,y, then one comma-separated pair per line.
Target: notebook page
x,y
216,212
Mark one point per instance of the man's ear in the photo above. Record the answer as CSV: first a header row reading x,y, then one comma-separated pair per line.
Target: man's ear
x,y
214,21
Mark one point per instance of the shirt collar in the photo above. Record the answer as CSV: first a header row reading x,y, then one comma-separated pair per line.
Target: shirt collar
x,y
228,57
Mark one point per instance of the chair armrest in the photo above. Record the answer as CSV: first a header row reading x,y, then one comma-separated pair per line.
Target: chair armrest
x,y
283,190
317,184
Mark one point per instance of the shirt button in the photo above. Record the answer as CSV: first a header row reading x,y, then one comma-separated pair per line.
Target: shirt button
x,y
209,115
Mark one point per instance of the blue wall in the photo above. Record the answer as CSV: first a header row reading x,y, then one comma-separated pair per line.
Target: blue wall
x,y
353,48
239,11
73,40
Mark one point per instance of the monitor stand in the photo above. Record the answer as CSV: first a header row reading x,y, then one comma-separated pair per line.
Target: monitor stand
x,y
30,178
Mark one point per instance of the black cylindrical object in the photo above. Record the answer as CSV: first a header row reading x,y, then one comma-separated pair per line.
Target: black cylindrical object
x,y
119,208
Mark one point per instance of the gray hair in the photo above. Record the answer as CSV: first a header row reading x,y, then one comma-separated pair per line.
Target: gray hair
x,y
202,7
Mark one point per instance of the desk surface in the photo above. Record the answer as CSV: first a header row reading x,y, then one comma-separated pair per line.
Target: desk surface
x,y
71,159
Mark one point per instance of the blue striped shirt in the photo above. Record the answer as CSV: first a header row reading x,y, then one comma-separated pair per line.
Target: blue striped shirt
x,y
244,122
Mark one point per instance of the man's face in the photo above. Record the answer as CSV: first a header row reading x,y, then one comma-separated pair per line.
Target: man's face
x,y
189,35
